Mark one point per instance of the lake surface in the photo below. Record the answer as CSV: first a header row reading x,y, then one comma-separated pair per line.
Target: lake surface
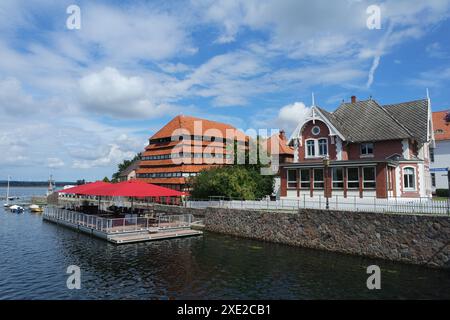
x,y
34,256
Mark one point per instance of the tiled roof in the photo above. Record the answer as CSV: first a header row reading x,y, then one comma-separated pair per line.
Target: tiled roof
x,y
440,126
413,115
282,142
188,122
368,121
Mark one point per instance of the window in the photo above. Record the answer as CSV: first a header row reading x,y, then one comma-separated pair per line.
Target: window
x,y
315,130
409,179
338,178
292,178
366,149
305,182
432,154
390,178
310,148
352,178
323,147
318,178
433,180
369,178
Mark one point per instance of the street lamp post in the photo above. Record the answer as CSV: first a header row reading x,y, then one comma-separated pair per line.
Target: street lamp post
x,y
326,165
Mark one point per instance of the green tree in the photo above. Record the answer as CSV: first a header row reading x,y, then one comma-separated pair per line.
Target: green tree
x,y
106,179
122,166
240,181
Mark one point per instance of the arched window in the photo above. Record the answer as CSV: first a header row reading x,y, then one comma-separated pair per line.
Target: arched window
x,y
409,178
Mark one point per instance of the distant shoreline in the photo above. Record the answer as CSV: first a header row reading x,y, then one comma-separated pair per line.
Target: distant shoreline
x,y
33,184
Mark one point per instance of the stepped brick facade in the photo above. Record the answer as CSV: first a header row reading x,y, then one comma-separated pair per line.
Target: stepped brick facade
x,y
185,146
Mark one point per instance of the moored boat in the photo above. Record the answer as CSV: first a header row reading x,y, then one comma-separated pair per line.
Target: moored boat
x,y
36,209
16,209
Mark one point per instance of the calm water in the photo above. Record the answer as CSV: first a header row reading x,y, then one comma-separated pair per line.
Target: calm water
x,y
34,256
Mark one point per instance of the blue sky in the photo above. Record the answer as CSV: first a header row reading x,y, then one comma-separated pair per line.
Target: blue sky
x,y
74,103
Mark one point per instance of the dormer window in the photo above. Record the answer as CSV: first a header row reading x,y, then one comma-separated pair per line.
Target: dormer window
x,y
367,149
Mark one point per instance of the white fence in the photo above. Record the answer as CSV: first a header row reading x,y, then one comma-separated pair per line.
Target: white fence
x,y
373,204
118,225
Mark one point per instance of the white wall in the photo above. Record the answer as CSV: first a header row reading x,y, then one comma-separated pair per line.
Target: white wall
x,y
441,160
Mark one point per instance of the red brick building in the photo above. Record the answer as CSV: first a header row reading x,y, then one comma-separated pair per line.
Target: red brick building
x,y
372,151
185,146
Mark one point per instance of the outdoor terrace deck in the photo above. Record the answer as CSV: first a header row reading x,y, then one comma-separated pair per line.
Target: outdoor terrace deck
x,y
126,229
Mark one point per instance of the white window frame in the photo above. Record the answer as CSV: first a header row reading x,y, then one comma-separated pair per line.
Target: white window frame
x,y
312,130
405,188
326,147
291,181
307,155
364,146
352,181
337,181
369,181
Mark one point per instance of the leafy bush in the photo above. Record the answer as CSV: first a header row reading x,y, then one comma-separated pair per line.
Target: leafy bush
x,y
239,182
442,193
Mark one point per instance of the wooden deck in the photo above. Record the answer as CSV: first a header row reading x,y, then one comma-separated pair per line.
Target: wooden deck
x,y
162,235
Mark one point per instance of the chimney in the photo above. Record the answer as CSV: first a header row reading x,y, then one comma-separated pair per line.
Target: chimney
x,y
353,99
282,135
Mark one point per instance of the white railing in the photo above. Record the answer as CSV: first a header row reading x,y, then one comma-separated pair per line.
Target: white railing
x,y
117,225
174,221
372,204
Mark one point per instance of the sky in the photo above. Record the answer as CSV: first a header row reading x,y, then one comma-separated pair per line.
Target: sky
x,y
76,102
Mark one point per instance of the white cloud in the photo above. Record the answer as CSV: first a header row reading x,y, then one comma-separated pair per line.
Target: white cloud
x,y
55,163
291,115
134,32
435,50
108,92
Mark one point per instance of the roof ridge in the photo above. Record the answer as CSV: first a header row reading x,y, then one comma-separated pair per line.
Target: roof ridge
x,y
405,102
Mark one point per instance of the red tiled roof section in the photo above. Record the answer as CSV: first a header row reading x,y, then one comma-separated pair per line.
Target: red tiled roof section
x,y
281,140
440,126
188,122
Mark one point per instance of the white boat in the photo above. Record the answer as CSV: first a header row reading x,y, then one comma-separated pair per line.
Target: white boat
x,y
35,208
16,209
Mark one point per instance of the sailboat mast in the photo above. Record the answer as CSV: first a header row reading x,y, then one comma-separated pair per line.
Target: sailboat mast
x,y
7,192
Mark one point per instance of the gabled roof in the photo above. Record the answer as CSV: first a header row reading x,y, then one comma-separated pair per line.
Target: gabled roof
x,y
413,115
188,122
366,120
280,139
441,126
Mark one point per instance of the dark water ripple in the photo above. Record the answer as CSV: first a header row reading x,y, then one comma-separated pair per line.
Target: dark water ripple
x,y
34,256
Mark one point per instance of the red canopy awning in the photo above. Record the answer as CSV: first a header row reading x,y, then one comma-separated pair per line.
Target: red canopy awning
x,y
88,187
133,188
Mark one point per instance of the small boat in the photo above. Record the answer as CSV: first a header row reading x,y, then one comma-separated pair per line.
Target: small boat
x,y
36,209
16,209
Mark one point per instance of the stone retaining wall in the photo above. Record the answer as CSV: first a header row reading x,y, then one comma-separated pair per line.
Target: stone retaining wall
x,y
413,239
